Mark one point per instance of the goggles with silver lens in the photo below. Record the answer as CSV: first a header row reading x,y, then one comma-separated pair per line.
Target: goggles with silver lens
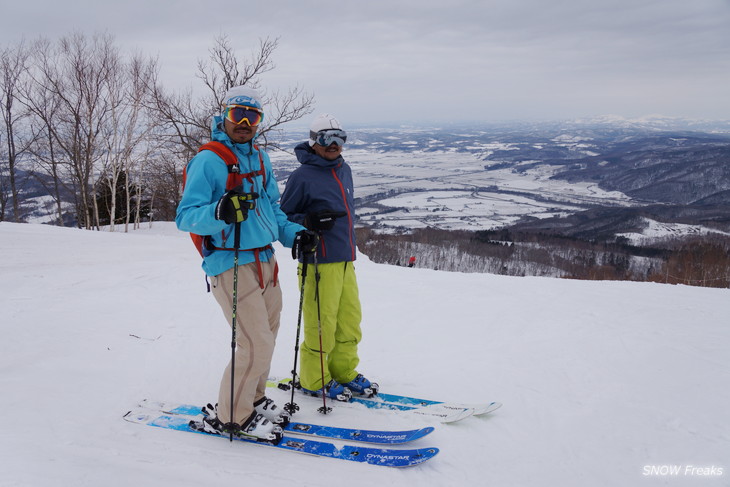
x,y
239,114
325,138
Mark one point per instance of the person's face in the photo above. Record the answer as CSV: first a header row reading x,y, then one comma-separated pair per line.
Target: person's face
x,y
331,152
240,134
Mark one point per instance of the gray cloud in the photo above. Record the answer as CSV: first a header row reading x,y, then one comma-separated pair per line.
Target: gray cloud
x,y
413,60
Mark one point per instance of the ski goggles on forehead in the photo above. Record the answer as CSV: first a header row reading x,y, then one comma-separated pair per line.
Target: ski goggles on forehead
x,y
326,138
239,114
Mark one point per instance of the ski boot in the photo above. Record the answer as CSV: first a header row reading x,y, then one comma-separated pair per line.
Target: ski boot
x,y
272,412
333,390
363,387
210,423
256,427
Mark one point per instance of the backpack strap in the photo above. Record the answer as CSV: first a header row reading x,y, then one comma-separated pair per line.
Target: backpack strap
x,y
225,153
235,178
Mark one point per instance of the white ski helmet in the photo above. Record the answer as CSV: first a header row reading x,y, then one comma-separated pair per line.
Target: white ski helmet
x,y
322,122
243,95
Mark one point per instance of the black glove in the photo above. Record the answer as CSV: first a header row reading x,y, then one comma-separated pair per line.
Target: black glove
x,y
322,220
305,242
234,205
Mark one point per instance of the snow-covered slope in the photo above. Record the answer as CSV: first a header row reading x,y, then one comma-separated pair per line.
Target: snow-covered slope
x,y
657,231
600,380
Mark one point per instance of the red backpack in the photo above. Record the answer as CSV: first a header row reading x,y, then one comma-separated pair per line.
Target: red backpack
x,y
204,243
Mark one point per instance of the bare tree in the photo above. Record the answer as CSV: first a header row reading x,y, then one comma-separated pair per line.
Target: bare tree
x,y
13,64
140,71
4,189
91,114
163,183
185,119
47,159
125,132
74,73
189,119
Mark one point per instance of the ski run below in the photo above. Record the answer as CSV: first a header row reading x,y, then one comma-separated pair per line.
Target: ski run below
x,y
602,383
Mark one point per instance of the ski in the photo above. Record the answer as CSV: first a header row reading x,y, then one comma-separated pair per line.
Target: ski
x,y
446,412
308,429
387,457
434,412
394,399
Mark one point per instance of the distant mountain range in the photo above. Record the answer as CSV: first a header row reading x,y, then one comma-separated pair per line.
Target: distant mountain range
x,y
666,171
595,178
669,168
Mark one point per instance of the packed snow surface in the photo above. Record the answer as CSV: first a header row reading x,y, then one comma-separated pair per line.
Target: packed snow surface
x,y
603,383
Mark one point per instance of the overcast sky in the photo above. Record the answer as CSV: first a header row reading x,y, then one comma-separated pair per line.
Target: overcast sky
x,y
424,60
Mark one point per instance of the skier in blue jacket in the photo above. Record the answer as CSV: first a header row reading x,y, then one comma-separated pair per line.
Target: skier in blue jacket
x,y
207,208
319,195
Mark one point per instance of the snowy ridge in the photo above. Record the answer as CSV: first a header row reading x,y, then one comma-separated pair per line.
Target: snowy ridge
x,y
655,230
603,383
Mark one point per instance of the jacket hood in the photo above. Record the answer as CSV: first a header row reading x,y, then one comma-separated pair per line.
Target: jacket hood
x,y
306,155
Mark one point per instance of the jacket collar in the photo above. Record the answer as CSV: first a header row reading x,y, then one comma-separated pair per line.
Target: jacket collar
x,y
306,155
218,134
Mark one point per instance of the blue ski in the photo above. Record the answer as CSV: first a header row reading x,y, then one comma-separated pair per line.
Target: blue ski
x,y
375,456
322,431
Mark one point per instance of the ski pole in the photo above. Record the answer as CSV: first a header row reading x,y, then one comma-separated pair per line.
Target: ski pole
x,y
324,409
292,406
236,245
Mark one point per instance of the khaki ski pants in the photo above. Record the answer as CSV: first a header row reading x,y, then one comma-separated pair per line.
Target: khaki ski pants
x,y
257,323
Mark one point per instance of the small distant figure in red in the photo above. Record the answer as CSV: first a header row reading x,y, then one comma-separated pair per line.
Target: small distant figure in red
x,y
412,262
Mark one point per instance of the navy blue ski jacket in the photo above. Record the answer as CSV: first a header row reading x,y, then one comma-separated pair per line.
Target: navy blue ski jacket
x,y
317,185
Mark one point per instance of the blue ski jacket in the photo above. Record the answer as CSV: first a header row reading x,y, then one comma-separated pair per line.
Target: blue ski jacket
x,y
206,184
317,185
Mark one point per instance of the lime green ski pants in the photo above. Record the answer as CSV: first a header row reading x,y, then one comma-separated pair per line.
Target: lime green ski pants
x,y
340,315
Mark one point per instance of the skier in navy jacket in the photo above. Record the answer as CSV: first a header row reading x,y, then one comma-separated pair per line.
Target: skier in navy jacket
x,y
319,195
